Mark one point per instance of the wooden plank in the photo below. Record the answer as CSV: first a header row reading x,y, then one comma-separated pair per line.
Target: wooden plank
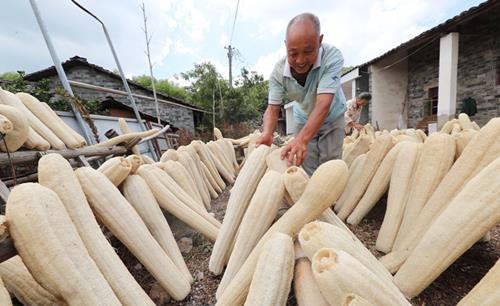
x,y
32,156
83,161
33,177
22,179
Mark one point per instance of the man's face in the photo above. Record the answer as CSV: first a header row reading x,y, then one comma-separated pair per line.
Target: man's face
x,y
361,102
302,45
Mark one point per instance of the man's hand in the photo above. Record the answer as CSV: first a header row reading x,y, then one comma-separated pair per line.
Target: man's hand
x,y
295,152
265,139
358,126
270,120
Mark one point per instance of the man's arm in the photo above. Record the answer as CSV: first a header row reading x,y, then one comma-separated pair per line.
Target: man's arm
x,y
270,120
297,148
349,118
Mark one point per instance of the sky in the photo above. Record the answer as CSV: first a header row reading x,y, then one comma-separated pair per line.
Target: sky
x,y
185,32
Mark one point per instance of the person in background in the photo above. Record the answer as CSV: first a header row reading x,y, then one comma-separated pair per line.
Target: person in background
x,y
310,75
353,112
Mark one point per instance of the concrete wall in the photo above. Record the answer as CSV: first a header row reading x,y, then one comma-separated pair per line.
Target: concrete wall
x,y
103,124
447,91
347,89
291,125
389,86
178,116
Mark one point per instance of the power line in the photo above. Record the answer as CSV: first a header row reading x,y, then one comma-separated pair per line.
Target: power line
x,y
234,22
230,49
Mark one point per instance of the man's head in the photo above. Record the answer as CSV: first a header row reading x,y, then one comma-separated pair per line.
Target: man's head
x,y
363,99
303,39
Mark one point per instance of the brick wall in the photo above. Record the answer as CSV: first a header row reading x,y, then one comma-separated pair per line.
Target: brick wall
x,y
179,116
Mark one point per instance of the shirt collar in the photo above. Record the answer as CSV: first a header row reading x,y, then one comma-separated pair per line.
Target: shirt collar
x,y
288,72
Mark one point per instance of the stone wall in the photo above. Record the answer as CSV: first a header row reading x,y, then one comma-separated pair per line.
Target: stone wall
x,y
423,73
478,62
180,117
478,66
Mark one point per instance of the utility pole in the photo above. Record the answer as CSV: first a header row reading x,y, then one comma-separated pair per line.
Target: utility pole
x,y
60,71
230,57
122,75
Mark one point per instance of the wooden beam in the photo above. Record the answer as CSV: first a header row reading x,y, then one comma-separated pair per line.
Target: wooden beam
x,y
22,179
32,156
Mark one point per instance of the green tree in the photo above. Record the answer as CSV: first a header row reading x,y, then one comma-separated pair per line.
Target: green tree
x,y
163,86
253,92
15,80
11,76
206,83
346,69
246,101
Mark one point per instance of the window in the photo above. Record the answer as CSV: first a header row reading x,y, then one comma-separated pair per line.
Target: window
x,y
432,101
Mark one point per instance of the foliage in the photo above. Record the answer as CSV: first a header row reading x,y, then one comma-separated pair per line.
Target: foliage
x,y
42,91
16,81
162,86
63,104
246,101
254,93
11,76
206,85
346,69
243,103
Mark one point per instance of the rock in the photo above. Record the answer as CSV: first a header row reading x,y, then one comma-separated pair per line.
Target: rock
x,y
158,294
138,266
179,228
185,245
199,275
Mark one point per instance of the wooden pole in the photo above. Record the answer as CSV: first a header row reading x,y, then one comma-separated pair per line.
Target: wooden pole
x,y
31,156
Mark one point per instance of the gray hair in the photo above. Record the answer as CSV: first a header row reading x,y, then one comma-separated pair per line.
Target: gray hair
x,y
365,96
305,16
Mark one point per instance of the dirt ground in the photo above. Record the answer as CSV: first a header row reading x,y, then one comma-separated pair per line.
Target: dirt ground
x,y
448,289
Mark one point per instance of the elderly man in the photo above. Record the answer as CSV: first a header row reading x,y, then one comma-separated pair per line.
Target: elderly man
x,y
310,75
354,108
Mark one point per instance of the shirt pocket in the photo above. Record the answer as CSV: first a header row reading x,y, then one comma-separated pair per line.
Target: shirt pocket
x,y
294,93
